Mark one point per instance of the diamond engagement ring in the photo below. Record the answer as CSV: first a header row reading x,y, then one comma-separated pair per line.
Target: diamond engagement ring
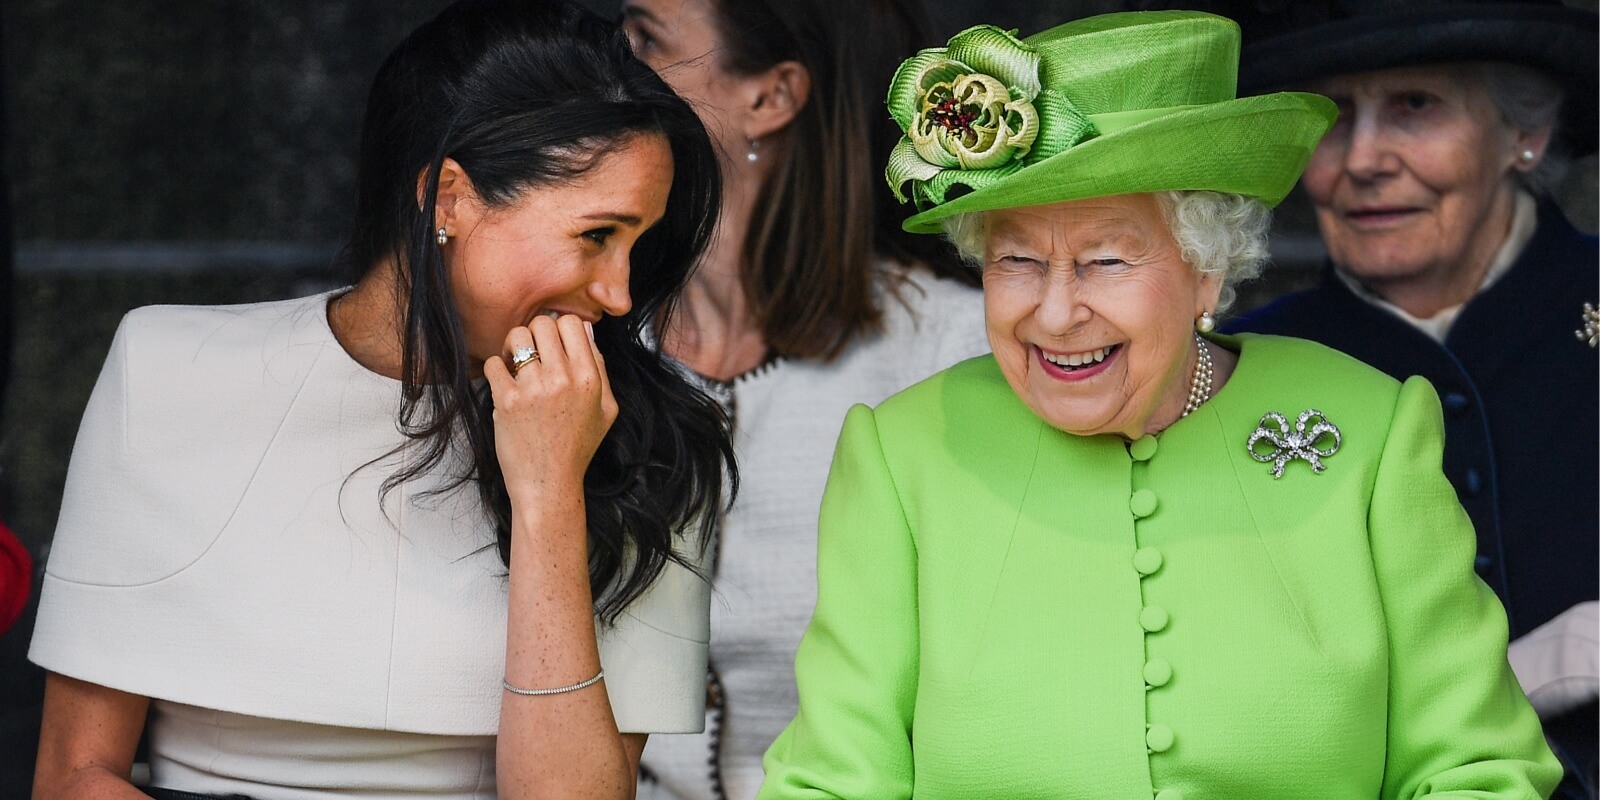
x,y
522,357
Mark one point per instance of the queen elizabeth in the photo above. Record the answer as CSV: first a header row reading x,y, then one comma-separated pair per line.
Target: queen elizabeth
x,y
1125,557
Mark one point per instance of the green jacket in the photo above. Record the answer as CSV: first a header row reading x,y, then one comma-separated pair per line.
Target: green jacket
x,y
1009,611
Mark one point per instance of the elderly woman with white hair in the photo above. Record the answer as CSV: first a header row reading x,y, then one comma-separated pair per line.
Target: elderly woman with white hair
x,y
1124,556
1448,259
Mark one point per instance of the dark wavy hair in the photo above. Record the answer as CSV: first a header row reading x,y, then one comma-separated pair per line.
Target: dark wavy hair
x,y
825,215
523,94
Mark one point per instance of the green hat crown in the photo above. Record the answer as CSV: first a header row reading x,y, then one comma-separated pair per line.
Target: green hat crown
x,y
990,113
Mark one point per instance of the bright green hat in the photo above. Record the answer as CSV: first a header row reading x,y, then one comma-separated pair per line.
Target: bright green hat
x,y
1113,104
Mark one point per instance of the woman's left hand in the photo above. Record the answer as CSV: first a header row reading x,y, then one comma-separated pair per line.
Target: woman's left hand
x,y
550,414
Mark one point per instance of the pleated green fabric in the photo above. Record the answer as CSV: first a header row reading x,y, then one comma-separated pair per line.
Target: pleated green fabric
x,y
969,113
1114,104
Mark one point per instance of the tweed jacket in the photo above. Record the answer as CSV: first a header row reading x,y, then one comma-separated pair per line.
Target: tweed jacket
x,y
786,418
1009,611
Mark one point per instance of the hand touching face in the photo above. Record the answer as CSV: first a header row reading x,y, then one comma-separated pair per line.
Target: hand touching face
x,y
557,250
550,412
539,274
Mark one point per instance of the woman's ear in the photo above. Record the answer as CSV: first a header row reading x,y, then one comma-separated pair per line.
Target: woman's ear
x,y
779,95
1535,142
1209,293
454,187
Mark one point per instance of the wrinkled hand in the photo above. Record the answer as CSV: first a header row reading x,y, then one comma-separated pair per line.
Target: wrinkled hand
x,y
550,416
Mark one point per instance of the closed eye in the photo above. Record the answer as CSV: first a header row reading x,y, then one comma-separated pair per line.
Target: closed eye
x,y
1415,101
636,25
1103,265
1016,261
640,40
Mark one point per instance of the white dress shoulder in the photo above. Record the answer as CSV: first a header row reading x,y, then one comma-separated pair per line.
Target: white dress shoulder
x,y
226,549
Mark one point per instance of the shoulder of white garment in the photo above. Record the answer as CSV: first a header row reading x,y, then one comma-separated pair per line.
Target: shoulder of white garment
x,y
187,400
655,654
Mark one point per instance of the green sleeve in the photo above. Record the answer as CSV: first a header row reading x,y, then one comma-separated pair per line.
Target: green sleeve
x,y
856,668
1458,724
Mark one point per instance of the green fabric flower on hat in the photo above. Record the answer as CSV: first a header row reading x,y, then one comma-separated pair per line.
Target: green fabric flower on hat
x,y
968,111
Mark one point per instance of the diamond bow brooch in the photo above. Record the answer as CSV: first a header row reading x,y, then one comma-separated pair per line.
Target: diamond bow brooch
x,y
1310,428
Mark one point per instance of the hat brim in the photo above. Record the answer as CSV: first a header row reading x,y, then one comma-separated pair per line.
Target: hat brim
x,y
1253,146
1561,42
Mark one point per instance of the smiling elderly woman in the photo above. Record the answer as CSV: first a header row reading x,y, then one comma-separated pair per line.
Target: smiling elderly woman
x,y
1131,257
1125,557
1448,259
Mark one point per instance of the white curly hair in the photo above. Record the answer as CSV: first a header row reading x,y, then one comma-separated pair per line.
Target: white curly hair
x,y
1218,234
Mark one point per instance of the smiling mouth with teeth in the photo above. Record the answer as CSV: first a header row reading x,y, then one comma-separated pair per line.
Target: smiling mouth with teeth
x,y
1078,361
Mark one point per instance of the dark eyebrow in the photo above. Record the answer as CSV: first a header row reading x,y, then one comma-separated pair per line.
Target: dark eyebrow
x,y
641,13
608,216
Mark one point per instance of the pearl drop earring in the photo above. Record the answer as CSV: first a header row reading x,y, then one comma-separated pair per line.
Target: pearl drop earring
x,y
1206,323
754,155
442,237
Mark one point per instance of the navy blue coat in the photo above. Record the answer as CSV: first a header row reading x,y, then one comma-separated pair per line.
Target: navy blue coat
x,y
1519,392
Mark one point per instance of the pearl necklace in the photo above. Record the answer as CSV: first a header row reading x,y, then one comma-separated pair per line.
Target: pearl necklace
x,y
1200,384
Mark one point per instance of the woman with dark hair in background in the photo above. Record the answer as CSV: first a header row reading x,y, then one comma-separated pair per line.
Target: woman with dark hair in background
x,y
810,299
359,542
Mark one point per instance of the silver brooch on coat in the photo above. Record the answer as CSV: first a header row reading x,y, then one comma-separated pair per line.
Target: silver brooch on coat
x,y
1590,332
1310,429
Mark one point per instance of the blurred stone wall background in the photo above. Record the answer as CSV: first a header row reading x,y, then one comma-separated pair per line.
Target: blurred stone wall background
x,y
201,151
194,151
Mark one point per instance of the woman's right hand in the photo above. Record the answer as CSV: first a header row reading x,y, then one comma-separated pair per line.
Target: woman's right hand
x,y
549,419
551,414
